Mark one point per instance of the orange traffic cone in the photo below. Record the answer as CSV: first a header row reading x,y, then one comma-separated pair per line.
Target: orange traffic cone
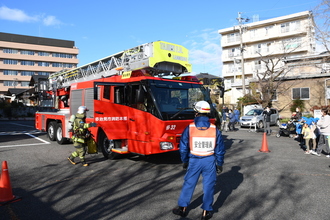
x,y
6,194
264,144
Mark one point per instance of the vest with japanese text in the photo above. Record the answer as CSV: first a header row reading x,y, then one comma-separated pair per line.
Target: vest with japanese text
x,y
202,142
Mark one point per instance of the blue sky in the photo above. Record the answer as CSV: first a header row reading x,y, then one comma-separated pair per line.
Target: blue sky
x,y
101,28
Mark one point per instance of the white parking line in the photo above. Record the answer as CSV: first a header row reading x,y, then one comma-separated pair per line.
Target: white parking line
x,y
21,145
39,139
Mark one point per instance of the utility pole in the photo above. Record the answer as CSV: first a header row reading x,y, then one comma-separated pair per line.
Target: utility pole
x,y
240,25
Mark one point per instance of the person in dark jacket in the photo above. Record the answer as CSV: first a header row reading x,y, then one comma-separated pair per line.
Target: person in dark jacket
x,y
225,119
232,120
267,113
202,153
297,115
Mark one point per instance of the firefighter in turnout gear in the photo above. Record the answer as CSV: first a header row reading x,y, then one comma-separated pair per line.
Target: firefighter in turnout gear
x,y
80,134
202,152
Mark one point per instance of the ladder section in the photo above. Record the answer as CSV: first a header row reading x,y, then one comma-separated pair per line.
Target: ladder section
x,y
157,57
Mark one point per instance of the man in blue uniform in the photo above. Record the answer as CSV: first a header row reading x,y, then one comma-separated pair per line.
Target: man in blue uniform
x,y
202,152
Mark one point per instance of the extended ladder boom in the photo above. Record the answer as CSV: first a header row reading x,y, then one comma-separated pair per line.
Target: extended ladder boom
x,y
157,57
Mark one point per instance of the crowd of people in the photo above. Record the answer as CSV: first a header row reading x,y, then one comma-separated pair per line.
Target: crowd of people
x,y
230,118
313,133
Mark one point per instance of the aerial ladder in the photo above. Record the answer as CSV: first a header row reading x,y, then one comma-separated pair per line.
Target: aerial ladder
x,y
146,56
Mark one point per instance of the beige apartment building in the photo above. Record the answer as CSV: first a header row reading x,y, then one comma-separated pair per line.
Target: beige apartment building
x,y
308,80
245,45
23,56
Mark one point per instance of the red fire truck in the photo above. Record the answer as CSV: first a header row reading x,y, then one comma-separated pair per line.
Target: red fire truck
x,y
137,105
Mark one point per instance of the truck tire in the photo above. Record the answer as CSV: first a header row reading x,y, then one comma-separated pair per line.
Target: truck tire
x,y
51,130
106,146
59,137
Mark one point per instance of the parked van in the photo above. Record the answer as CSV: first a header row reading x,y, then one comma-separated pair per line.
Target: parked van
x,y
255,117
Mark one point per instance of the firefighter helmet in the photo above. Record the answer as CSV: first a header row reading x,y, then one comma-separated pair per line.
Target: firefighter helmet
x,y
82,109
202,107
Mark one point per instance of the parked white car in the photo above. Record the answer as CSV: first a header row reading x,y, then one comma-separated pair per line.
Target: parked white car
x,y
255,117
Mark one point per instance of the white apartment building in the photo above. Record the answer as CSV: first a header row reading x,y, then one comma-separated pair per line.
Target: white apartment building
x,y
284,37
22,56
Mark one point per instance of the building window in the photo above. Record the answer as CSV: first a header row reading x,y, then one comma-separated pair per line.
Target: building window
x,y
62,55
11,62
67,65
64,65
27,73
7,50
257,65
300,93
43,63
292,43
44,54
285,28
258,48
27,63
43,73
253,33
57,64
9,83
10,72
27,52
233,37
234,52
25,84
231,68
268,30
290,26
262,48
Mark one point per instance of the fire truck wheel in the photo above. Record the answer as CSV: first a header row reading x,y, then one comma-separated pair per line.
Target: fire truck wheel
x,y
106,146
59,137
51,130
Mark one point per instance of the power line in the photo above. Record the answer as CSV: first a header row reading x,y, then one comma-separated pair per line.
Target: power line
x,y
282,7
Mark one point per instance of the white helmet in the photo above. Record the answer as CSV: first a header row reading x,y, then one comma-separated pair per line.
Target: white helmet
x,y
202,107
82,109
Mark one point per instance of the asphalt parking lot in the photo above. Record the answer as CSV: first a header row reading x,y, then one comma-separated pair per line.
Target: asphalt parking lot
x,y
284,183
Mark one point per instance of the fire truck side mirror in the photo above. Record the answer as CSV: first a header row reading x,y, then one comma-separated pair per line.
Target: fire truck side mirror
x,y
140,94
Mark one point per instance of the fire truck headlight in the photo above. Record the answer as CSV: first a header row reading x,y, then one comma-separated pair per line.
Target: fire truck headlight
x,y
166,145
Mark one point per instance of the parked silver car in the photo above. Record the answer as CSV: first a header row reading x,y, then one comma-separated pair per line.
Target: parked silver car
x,y
255,117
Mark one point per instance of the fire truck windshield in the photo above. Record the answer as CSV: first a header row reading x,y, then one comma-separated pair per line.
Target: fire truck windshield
x,y
175,100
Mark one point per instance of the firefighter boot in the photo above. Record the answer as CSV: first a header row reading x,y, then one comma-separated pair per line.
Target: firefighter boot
x,y
182,211
71,159
84,164
206,215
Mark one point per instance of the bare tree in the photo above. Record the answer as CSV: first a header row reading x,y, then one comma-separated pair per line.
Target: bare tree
x,y
322,28
271,74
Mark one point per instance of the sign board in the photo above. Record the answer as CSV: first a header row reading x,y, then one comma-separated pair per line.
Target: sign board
x,y
328,92
317,113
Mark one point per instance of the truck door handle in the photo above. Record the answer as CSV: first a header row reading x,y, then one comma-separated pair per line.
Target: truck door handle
x,y
97,112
